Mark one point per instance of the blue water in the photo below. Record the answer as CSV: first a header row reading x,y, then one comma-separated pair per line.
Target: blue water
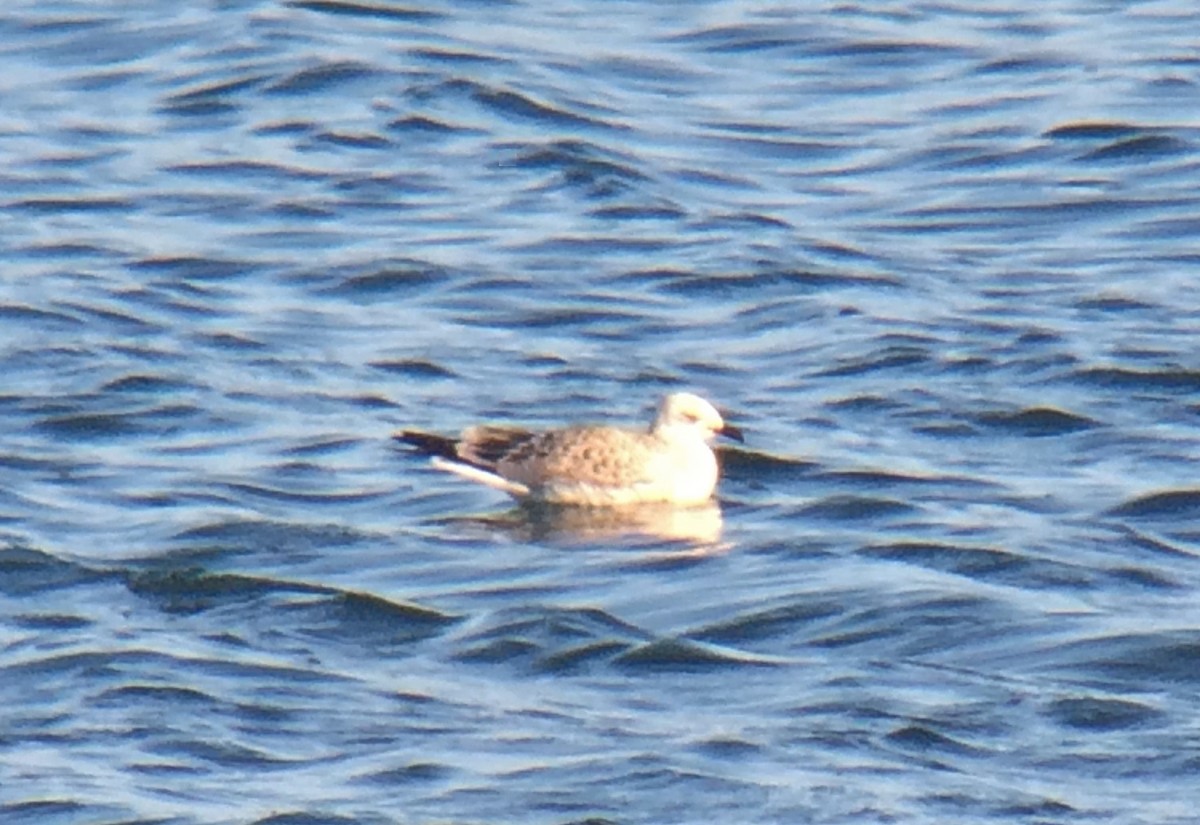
x,y
940,262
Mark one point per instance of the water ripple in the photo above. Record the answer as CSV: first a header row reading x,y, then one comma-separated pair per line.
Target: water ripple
x,y
937,265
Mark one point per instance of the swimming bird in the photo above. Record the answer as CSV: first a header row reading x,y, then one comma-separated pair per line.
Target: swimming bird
x,y
593,465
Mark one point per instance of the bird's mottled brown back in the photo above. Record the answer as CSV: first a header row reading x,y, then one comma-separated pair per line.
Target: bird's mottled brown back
x,y
599,456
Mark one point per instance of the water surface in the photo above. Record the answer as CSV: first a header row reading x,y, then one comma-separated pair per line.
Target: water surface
x,y
938,262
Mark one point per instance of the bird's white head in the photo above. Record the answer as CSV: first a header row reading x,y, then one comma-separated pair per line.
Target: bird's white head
x,y
684,412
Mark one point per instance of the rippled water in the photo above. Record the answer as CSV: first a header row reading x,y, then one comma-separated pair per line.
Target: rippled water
x,y
940,262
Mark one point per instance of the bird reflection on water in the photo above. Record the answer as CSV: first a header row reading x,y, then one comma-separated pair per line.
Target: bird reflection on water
x,y
699,527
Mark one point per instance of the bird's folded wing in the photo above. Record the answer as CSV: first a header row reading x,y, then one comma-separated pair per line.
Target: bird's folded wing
x,y
596,456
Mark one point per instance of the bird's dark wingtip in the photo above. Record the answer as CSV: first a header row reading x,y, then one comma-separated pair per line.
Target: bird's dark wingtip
x,y
428,443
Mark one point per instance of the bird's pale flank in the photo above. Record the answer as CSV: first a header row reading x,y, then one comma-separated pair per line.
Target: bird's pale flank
x,y
670,462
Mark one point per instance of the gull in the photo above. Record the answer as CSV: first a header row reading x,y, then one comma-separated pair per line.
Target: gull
x,y
671,462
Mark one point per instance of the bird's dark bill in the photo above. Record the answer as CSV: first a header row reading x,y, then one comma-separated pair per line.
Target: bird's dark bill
x,y
732,432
